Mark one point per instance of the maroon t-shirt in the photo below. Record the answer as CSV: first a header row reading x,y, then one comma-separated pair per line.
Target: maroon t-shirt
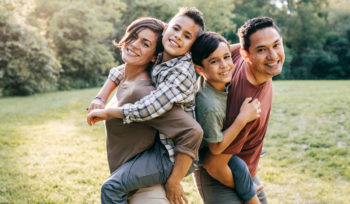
x,y
248,144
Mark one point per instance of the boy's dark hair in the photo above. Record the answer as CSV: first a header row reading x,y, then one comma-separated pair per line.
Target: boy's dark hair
x,y
251,26
205,45
157,26
196,15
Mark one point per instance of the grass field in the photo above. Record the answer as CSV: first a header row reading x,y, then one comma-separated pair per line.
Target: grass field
x,y
48,153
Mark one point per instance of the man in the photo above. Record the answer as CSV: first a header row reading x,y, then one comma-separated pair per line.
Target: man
x,y
260,57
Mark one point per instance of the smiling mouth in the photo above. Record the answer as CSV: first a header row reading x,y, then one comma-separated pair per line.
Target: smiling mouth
x,y
131,52
173,43
225,73
273,64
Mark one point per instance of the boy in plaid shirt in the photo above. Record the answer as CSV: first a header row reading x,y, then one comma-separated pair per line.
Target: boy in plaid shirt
x,y
174,77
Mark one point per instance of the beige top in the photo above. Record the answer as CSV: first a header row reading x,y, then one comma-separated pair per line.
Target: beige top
x,y
124,141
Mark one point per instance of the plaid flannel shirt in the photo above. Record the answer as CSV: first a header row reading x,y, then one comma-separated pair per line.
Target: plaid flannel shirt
x,y
175,84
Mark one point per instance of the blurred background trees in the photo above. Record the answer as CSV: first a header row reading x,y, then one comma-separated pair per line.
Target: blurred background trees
x,y
64,44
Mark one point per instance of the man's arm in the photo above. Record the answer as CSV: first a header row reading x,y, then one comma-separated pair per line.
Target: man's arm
x,y
234,47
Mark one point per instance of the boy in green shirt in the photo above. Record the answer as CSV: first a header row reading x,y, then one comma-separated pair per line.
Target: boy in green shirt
x,y
212,58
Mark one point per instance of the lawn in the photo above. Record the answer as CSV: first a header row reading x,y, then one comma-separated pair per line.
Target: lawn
x,y
48,153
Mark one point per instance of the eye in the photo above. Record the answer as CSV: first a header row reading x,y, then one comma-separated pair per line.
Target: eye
x,y
187,36
260,50
212,62
146,44
227,57
277,45
176,28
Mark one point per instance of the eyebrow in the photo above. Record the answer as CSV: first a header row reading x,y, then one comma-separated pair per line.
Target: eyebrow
x,y
261,46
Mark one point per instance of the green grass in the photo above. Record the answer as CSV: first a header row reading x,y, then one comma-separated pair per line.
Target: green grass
x,y
48,154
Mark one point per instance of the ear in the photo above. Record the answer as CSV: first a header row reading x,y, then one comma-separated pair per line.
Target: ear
x,y
244,54
154,58
165,27
199,69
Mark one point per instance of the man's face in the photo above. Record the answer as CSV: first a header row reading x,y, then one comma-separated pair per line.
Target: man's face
x,y
218,67
266,54
178,37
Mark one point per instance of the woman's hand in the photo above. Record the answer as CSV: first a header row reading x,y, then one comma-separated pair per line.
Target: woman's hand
x,y
250,110
96,115
96,104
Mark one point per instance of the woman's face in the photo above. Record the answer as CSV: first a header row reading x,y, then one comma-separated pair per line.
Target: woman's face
x,y
140,50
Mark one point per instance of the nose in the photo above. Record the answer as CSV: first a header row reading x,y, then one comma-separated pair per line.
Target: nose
x,y
272,55
223,64
135,43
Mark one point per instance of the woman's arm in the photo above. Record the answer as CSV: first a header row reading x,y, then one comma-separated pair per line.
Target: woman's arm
x,y
249,111
102,96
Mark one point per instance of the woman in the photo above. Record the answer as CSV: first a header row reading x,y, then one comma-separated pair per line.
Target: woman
x,y
139,46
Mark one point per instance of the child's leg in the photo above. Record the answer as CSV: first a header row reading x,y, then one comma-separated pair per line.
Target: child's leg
x,y
216,166
245,187
147,169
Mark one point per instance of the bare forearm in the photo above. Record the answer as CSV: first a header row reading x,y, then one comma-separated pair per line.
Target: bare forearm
x,y
181,166
234,47
107,89
114,112
229,135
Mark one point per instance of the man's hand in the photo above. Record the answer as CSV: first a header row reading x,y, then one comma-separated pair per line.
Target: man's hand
x,y
175,193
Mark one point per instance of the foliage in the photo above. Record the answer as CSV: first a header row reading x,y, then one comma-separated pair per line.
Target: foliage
x,y
27,64
76,37
77,33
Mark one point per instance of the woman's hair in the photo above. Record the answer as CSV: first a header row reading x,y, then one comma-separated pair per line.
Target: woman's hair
x,y
205,45
137,26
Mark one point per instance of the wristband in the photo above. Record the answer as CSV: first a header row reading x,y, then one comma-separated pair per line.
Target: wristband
x,y
100,98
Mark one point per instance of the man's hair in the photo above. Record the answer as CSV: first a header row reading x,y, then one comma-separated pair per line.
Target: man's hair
x,y
157,26
205,45
251,26
195,15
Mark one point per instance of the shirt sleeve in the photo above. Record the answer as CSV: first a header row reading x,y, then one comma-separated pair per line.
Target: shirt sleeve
x,y
177,87
116,74
212,124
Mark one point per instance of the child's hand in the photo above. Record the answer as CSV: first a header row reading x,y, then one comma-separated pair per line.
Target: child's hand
x,y
96,115
250,110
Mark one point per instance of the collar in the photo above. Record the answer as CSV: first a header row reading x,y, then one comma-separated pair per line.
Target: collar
x,y
172,62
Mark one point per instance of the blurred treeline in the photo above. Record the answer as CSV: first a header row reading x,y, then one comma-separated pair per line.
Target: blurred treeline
x,y
63,44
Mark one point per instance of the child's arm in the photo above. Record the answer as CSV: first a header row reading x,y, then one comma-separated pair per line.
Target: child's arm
x,y
216,166
177,87
249,111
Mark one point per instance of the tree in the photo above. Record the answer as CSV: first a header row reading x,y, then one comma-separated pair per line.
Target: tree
x,y
27,64
77,34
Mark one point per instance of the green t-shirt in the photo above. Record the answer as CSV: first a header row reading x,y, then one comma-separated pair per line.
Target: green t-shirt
x,y
210,112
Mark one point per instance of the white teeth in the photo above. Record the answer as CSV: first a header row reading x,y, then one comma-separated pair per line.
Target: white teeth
x,y
174,43
132,52
272,64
